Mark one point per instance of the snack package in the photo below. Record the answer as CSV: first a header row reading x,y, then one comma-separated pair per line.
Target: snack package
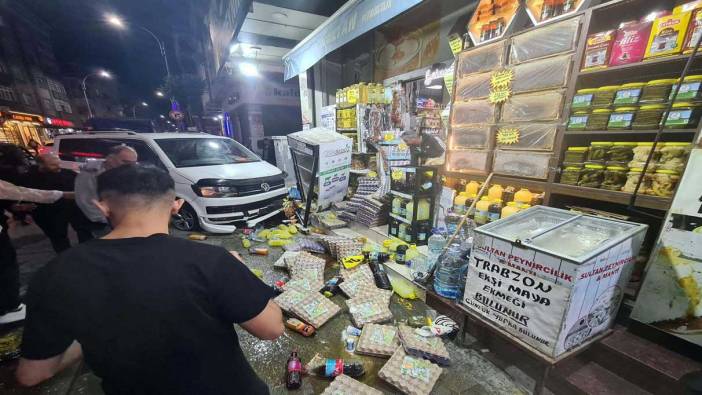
x,y
667,35
630,43
598,49
693,33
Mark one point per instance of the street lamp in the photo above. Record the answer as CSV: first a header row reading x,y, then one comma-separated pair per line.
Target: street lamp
x,y
144,104
162,116
101,73
118,23
159,93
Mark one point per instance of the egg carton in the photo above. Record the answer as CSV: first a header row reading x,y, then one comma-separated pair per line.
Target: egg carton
x,y
368,311
431,348
345,385
355,284
411,375
304,284
290,298
378,340
375,292
307,265
315,309
286,259
363,268
347,249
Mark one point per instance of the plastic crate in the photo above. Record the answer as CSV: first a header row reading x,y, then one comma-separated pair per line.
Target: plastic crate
x,y
476,86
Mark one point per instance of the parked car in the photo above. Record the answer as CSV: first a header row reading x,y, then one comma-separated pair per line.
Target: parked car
x,y
221,181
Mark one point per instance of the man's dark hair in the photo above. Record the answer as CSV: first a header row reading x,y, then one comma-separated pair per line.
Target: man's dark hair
x,y
145,181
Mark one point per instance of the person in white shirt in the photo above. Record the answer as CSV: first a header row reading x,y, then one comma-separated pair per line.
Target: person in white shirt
x,y
13,164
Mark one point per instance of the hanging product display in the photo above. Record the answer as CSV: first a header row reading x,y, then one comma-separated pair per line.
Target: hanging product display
x,y
541,11
549,40
491,20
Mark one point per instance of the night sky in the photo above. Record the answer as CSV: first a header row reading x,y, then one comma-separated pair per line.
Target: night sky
x,y
80,36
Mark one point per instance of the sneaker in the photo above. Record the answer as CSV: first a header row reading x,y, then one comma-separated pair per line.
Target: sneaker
x,y
14,315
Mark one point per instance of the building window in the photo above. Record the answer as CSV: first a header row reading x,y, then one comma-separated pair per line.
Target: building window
x,y
63,107
49,106
27,99
7,93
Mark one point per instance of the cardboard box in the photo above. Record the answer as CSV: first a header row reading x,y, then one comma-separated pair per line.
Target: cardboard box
x,y
668,35
630,43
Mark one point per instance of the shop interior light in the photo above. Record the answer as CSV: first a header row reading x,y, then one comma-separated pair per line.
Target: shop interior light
x,y
234,48
115,21
248,69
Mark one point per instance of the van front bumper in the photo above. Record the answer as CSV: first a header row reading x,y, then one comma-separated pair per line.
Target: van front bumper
x,y
221,215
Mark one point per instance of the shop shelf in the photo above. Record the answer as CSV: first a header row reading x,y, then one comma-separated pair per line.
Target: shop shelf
x,y
359,171
662,67
346,129
615,132
412,196
401,219
532,185
603,195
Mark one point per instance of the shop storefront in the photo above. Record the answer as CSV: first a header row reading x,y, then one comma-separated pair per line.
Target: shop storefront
x,y
584,107
21,128
57,126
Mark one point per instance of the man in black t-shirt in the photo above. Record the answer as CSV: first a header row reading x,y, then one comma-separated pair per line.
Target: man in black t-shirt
x,y
151,314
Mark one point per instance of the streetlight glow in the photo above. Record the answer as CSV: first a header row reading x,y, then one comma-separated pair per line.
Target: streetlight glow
x,y
145,104
162,116
159,93
104,74
115,21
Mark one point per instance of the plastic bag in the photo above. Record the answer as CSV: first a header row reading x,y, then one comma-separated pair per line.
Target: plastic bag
x,y
545,41
522,164
484,58
476,86
471,136
529,107
542,74
527,136
474,111
468,160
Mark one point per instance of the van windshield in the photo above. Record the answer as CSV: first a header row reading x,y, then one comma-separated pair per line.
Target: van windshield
x,y
205,152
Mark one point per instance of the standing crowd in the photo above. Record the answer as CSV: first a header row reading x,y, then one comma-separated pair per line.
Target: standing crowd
x,y
149,313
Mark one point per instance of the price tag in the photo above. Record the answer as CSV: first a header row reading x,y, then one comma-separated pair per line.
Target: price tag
x,y
456,43
397,175
508,136
502,79
499,96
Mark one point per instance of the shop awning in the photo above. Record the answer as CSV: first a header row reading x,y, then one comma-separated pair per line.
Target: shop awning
x,y
350,21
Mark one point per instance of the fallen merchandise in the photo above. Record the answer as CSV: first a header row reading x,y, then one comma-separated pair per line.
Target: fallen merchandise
x,y
345,385
412,376
378,340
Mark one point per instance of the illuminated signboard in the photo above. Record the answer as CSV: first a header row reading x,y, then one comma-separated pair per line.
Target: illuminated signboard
x,y
21,117
59,123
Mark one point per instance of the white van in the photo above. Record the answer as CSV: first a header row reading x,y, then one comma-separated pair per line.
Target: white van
x,y
220,180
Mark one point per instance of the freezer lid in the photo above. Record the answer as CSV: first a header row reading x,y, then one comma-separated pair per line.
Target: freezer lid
x,y
527,224
585,237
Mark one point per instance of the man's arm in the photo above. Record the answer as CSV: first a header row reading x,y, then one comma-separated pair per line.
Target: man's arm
x,y
268,324
10,191
31,372
85,193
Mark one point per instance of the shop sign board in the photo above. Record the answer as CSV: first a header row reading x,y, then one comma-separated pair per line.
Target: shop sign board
x,y
353,19
669,299
549,302
21,117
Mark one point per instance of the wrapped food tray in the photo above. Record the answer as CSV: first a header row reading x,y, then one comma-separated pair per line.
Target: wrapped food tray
x,y
531,107
368,310
411,375
542,74
315,309
480,59
545,41
471,137
529,164
474,111
345,385
431,348
378,340
469,160
475,86
531,136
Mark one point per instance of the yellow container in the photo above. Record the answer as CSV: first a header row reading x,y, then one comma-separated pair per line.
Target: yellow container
x,y
667,35
472,188
523,196
481,211
510,209
459,203
422,210
495,192
362,93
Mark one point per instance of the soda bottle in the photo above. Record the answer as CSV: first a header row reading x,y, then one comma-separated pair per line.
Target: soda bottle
x,y
332,286
334,367
376,256
293,376
400,254
380,276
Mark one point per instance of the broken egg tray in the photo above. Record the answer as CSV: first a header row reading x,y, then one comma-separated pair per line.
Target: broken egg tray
x,y
431,348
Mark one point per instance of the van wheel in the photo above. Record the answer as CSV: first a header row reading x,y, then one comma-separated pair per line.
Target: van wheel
x,y
186,219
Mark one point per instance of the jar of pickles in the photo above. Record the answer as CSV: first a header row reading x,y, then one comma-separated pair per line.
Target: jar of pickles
x,y
575,155
598,151
673,156
621,152
614,178
649,116
690,89
583,98
621,118
642,150
628,94
657,91
578,120
571,175
591,176
664,182
604,96
633,177
598,119
684,115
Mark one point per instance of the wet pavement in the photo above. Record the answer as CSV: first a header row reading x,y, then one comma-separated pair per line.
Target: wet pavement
x,y
470,371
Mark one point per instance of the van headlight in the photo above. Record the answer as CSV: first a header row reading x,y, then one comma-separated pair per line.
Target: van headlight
x,y
218,191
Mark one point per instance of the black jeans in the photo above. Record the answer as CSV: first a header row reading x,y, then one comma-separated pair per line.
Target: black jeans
x,y
9,273
53,221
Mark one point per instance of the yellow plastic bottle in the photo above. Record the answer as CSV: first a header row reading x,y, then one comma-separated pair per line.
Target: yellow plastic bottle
x,y
495,192
524,206
472,188
411,253
362,93
523,196
510,209
459,203
481,211
422,210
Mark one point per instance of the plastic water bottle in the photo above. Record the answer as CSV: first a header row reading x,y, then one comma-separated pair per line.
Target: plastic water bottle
x,y
466,247
435,244
450,268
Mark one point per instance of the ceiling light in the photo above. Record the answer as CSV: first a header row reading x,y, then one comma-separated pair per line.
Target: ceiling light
x,y
434,87
248,69
215,118
234,48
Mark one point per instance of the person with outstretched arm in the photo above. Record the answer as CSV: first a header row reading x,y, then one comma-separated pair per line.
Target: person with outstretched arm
x,y
150,313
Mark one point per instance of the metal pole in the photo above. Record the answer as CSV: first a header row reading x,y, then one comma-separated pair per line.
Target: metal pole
x,y
161,47
85,95
134,111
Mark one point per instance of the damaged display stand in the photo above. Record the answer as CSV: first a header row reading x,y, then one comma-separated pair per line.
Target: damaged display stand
x,y
321,161
413,190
